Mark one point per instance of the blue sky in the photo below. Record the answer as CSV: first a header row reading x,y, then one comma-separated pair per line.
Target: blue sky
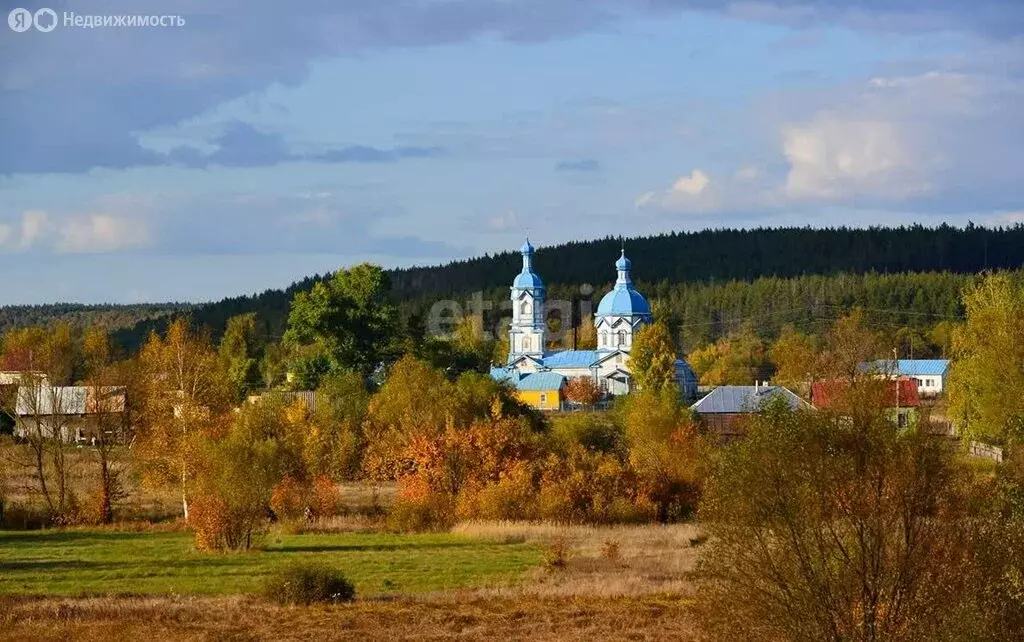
x,y
255,145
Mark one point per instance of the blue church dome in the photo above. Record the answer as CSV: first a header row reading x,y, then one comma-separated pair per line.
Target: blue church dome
x,y
527,278
624,300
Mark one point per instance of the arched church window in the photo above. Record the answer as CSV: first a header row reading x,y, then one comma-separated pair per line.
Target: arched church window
x,y
622,337
526,343
604,339
525,307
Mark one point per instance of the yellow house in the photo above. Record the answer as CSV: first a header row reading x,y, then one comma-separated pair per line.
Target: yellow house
x,y
542,390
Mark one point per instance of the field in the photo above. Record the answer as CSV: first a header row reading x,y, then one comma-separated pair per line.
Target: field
x,y
481,581
90,562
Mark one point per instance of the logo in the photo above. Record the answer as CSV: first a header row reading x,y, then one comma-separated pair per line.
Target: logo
x,y
21,20
46,20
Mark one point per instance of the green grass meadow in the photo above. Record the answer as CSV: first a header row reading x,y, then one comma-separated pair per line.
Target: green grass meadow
x,y
92,562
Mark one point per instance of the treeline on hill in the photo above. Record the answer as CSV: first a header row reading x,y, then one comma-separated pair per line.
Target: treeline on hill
x,y
705,268
112,317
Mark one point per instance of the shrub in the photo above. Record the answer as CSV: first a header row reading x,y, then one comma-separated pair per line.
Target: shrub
x,y
557,554
610,550
303,584
325,499
288,501
431,513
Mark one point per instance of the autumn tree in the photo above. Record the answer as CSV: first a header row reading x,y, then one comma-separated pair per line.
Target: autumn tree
x,y
583,391
345,322
335,443
833,528
848,343
586,334
652,358
46,412
182,388
106,401
795,356
738,359
987,374
662,447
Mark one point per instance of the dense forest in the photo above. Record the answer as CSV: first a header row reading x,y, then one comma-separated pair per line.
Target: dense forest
x,y
112,317
707,283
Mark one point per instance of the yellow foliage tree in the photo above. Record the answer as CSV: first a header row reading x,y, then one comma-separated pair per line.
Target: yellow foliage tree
x,y
987,376
652,358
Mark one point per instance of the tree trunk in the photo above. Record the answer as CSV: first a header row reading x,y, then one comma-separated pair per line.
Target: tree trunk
x,y
184,494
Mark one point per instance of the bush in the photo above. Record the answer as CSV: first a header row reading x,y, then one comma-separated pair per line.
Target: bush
x,y
557,554
303,584
434,513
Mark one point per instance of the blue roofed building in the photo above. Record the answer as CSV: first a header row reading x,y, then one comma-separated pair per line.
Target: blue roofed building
x,y
929,374
620,314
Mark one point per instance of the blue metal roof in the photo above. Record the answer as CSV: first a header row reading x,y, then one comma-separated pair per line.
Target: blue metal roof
x,y
527,280
744,399
623,301
571,359
541,381
908,367
505,374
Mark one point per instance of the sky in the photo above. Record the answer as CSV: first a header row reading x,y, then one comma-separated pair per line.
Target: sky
x,y
260,142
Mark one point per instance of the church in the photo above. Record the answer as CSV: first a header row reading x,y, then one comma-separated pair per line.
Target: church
x,y
539,375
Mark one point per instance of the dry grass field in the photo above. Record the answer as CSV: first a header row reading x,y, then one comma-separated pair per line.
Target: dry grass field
x,y
616,582
446,617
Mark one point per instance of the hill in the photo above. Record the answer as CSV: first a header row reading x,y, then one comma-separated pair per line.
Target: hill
x,y
690,270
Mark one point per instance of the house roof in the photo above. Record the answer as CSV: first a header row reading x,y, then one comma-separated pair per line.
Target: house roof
x,y
69,400
901,392
745,399
908,367
541,381
571,359
505,374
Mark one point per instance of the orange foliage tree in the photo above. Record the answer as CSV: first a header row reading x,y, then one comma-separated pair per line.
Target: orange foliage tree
x,y
583,391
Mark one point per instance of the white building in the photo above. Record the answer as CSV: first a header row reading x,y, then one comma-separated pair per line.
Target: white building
x,y
929,374
620,314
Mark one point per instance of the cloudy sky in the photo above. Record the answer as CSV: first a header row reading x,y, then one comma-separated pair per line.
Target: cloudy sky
x,y
263,141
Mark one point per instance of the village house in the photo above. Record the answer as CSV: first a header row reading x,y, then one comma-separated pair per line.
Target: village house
x,y
70,413
929,374
899,398
723,411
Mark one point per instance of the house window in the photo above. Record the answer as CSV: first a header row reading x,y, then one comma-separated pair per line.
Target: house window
x,y
543,398
901,420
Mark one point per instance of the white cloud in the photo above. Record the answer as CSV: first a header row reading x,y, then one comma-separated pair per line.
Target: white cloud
x,y
73,234
833,158
100,233
692,191
940,141
507,220
34,224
